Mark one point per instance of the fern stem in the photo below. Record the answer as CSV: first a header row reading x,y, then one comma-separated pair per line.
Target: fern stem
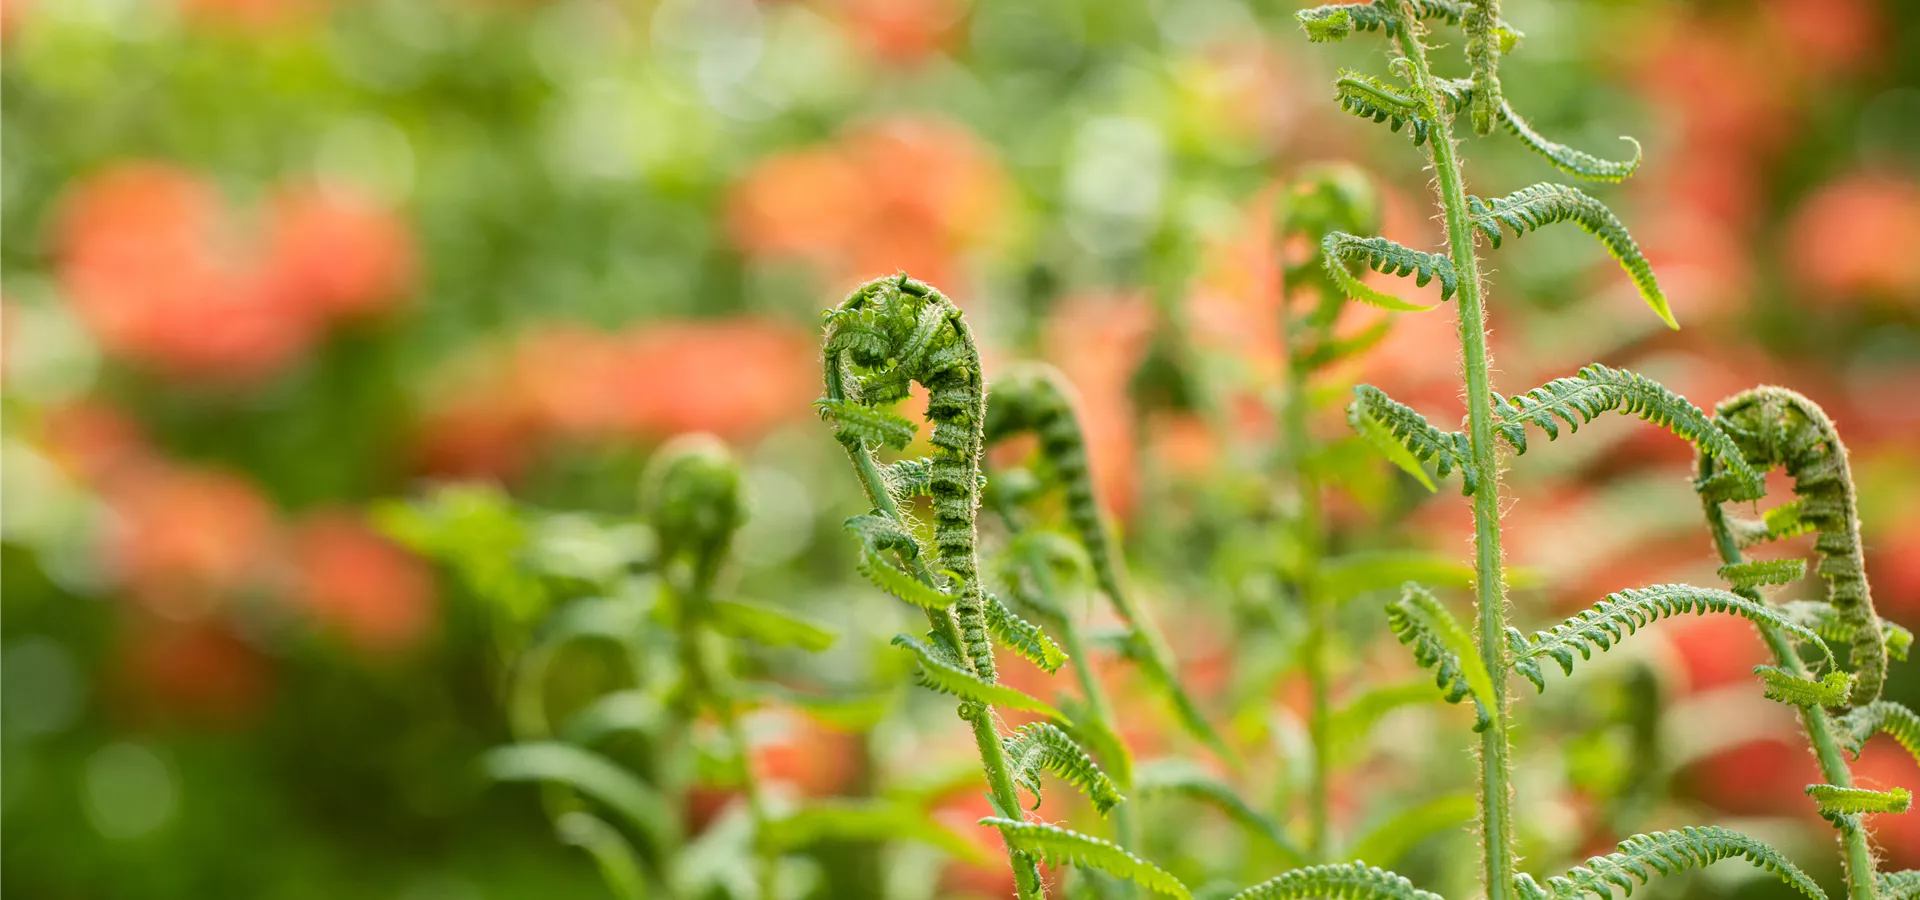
x,y
1857,852
986,736
1496,802
1307,526
707,684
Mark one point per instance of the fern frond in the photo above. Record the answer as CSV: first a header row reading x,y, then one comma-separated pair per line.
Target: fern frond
x,y
1179,777
943,671
1023,637
1880,717
1756,573
1776,524
1625,612
1407,439
857,425
1776,427
1595,389
1370,98
1059,846
1336,22
1484,47
1666,853
1531,208
1089,730
1899,885
1836,801
1353,881
1440,643
1826,622
1578,163
887,577
879,533
1044,747
1784,686
1340,250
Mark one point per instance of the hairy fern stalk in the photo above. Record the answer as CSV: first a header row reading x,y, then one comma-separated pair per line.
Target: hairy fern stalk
x,y
1752,432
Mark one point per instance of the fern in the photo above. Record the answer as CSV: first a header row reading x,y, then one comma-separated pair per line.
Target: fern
x,y
857,425
1625,612
1826,622
1777,427
1407,439
1370,98
1440,643
1483,56
1880,717
1666,853
1544,204
943,671
1595,389
1044,747
1762,572
1786,687
1339,251
1062,847
1354,881
887,577
1577,163
1838,802
1899,885
1023,637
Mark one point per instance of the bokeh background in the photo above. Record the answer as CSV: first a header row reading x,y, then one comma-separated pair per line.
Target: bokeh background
x,y
268,264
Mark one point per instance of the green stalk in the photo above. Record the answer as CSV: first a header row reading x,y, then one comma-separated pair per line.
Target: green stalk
x,y
1307,528
993,757
1857,853
1496,796
706,683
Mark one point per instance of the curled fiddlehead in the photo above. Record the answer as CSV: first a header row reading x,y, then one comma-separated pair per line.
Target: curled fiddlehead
x,y
1777,427
1042,746
1531,208
1036,399
1665,853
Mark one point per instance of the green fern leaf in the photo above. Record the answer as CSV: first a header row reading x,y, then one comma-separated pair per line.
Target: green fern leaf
x,y
1353,881
942,671
856,425
1182,778
906,587
1092,732
1336,22
1058,846
1595,389
1828,690
1756,573
1440,643
879,533
1825,621
1836,801
1545,204
1340,250
1625,612
770,627
1044,747
1577,163
1371,98
1666,853
1024,637
1406,438
1880,716
1484,47
1899,885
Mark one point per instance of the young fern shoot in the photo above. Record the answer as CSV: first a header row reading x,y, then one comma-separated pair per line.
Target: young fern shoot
x,y
1478,668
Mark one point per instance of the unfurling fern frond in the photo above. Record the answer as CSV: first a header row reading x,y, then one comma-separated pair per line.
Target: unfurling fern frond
x,y
1776,427
1484,47
1059,846
1440,643
886,577
1625,612
1899,885
1596,389
1578,163
1838,802
1370,98
1784,686
1407,439
1880,717
1756,573
942,670
1531,208
1353,881
1042,746
889,334
1023,637
1037,399
1824,621
1340,250
1335,22
1664,852
1179,777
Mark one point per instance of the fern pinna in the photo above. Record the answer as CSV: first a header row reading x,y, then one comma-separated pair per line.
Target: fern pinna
x,y
1479,668
1775,427
890,334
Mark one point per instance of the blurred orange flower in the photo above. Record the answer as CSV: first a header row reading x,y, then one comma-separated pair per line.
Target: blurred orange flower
x,y
900,32
1853,239
350,578
183,540
346,255
201,672
94,440
1097,341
